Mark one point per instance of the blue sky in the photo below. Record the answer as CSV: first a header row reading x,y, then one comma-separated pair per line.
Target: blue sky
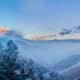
x,y
36,17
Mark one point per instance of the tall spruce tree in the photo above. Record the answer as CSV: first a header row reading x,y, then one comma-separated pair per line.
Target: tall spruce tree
x,y
11,53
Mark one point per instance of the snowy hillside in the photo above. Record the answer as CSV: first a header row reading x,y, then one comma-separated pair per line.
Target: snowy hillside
x,y
67,63
47,53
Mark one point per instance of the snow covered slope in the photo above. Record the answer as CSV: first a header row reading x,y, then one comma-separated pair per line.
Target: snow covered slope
x,y
47,53
67,63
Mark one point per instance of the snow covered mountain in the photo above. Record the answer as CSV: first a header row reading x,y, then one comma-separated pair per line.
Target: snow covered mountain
x,y
56,50
48,53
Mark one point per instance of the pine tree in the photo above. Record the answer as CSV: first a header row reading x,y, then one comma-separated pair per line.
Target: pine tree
x,y
3,76
11,55
8,58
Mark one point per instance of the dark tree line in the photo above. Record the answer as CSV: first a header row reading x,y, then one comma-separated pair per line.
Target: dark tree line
x,y
13,67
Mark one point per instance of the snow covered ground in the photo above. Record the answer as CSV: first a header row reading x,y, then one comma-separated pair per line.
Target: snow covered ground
x,y
61,55
49,53
58,55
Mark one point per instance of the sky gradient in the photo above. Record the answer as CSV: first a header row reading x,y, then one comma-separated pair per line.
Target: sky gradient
x,y
38,17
